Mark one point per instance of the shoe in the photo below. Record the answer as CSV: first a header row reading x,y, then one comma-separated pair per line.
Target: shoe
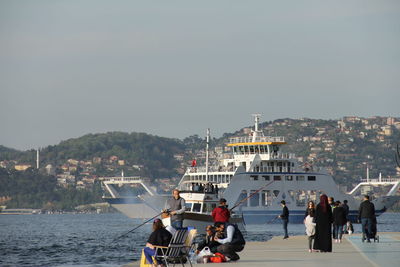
x,y
286,237
310,250
340,240
368,241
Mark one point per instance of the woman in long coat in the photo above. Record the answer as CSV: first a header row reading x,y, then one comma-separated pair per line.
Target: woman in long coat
x,y
323,229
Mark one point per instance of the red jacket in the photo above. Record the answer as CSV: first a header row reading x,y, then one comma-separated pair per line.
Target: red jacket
x,y
221,214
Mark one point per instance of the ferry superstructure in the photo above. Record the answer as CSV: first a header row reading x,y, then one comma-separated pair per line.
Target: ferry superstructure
x,y
258,176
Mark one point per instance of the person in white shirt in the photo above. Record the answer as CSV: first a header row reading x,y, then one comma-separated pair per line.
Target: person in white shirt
x,y
231,240
310,229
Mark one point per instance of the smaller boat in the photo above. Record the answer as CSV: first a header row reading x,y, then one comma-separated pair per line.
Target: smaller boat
x,y
199,206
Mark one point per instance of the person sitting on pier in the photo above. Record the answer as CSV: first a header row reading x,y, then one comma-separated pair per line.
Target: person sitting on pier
x,y
159,237
232,242
221,213
208,240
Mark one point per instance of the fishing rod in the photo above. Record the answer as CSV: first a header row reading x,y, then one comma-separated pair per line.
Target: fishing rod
x,y
243,200
270,221
136,227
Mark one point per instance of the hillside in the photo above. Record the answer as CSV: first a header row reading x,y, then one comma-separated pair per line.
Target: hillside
x,y
344,147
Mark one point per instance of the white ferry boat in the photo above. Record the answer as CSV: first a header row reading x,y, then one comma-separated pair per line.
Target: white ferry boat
x,y
256,178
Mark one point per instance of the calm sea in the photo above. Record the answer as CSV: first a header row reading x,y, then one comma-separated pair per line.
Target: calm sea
x,y
86,239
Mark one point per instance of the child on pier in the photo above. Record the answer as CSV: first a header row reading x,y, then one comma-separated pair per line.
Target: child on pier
x,y
310,229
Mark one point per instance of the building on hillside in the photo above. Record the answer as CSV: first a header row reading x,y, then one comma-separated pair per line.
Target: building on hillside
x,y
22,167
390,121
73,162
50,170
96,160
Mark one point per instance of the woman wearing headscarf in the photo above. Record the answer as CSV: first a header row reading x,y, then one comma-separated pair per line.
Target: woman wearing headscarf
x,y
323,229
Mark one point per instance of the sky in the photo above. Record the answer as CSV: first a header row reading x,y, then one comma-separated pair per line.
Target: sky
x,y
176,68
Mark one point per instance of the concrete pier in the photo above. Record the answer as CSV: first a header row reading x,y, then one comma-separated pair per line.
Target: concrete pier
x,y
294,252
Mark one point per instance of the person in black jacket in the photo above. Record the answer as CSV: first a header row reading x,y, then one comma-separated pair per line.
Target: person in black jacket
x,y
285,218
231,240
323,229
366,213
339,220
159,237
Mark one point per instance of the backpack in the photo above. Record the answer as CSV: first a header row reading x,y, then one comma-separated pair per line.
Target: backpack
x,y
218,258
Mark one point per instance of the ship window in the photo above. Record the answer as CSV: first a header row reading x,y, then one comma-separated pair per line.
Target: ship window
x,y
276,193
300,198
266,198
246,149
207,207
251,148
257,149
254,177
255,199
266,177
312,195
277,178
300,178
289,178
291,194
262,150
196,207
311,178
242,196
188,206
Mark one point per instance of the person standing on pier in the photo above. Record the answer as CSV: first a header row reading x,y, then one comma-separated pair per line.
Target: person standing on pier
x,y
221,213
339,220
323,229
285,218
366,214
175,206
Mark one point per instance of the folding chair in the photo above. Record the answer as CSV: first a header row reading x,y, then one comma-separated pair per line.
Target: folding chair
x,y
177,249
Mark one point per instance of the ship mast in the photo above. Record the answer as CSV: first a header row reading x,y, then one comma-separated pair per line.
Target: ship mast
x,y
256,132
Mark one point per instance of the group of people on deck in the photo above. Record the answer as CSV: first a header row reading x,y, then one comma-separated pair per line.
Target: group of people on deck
x,y
204,188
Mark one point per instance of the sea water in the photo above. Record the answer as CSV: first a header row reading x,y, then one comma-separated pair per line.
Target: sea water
x,y
89,239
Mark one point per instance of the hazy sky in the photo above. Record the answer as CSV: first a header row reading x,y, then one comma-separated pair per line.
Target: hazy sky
x,y
174,68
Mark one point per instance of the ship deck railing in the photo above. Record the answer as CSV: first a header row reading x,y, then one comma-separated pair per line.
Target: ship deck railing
x,y
257,139
380,180
202,169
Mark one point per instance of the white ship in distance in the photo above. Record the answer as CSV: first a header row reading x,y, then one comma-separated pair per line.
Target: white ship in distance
x,y
259,172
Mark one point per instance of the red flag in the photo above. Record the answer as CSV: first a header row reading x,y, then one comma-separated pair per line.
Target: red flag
x,y
194,163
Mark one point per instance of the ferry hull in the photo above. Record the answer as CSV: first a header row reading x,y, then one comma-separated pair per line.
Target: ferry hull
x,y
132,207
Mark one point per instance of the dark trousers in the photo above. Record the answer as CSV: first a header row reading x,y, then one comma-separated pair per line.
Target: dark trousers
x,y
366,223
230,250
311,238
285,223
338,231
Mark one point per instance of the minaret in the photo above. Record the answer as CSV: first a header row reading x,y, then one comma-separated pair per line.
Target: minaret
x,y
37,158
207,147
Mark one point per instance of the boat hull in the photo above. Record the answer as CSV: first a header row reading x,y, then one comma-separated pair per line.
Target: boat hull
x,y
134,208
201,220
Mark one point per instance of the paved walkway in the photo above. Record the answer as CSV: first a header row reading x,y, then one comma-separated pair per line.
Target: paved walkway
x,y
294,252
